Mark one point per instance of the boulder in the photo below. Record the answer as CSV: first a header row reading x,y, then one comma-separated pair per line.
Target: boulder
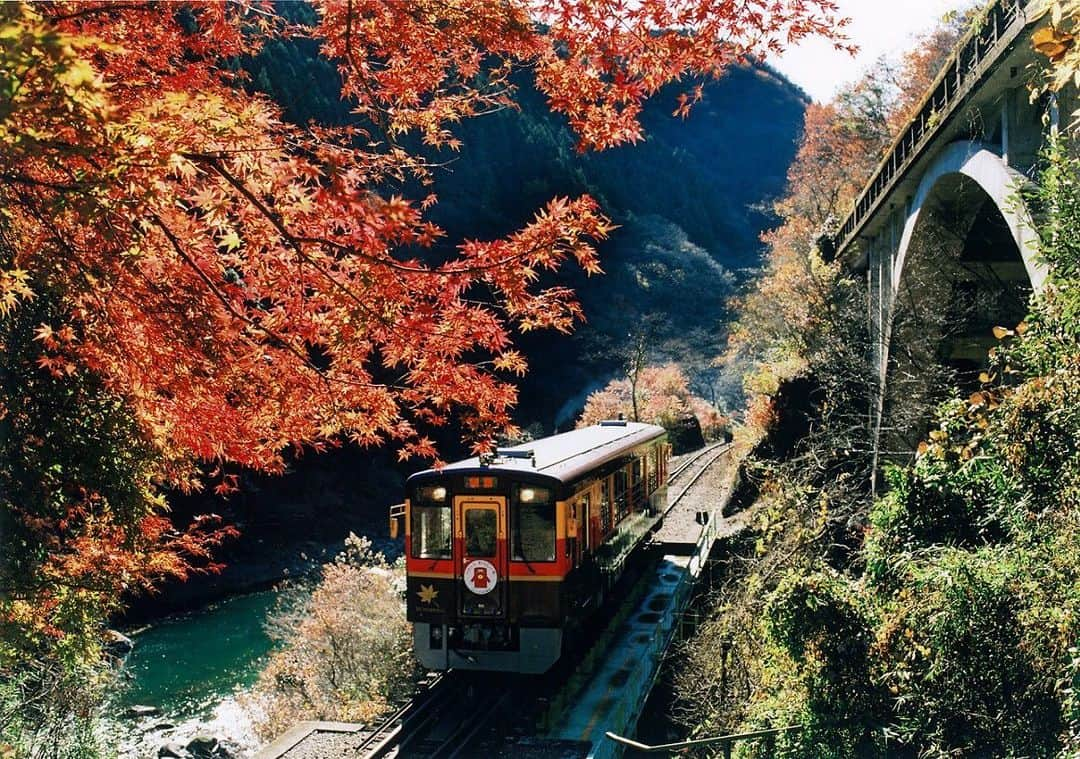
x,y
142,710
173,751
684,434
117,644
204,746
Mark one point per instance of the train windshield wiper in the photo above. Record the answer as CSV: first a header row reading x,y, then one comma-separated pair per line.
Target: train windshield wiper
x,y
520,552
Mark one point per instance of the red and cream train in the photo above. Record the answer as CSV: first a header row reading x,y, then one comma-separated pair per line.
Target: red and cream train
x,y
506,553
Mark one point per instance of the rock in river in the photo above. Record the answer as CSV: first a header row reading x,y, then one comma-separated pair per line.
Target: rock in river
x,y
173,751
204,746
117,644
142,710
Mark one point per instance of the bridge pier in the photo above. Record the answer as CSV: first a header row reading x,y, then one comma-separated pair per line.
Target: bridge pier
x,y
945,265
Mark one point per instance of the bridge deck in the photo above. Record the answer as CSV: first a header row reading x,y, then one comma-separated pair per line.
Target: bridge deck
x,y
972,61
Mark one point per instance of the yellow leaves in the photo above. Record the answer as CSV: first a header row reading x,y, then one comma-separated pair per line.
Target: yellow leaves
x,y
78,74
230,241
1001,333
44,334
181,167
14,287
511,361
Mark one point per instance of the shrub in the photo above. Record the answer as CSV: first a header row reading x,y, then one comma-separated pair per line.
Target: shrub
x,y
346,652
958,663
821,622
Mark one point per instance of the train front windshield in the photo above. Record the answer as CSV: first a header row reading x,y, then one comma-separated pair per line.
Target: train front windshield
x,y
432,524
481,529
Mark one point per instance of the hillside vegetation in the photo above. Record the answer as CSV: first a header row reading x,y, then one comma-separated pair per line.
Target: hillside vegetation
x,y
941,618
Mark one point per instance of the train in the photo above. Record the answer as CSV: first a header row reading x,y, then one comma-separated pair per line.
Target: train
x,y
509,553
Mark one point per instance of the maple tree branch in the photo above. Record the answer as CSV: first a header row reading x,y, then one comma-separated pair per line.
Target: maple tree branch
x,y
281,341
225,301
380,116
296,243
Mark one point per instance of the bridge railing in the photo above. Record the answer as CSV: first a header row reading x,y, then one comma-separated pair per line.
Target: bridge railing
x,y
970,61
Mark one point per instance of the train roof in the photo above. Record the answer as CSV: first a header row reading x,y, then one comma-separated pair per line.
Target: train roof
x,y
564,457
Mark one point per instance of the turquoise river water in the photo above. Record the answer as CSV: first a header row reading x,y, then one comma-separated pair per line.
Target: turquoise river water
x,y
192,667
185,663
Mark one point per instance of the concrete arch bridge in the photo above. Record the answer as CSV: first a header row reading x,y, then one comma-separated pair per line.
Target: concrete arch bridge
x,y
942,231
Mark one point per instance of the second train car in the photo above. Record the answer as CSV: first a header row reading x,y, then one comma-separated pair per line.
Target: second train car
x,y
505,553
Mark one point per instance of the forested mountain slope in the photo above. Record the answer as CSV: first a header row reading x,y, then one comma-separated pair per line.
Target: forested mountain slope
x,y
692,202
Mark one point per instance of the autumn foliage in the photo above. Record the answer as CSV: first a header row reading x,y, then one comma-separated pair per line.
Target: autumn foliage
x,y
205,285
664,398
345,651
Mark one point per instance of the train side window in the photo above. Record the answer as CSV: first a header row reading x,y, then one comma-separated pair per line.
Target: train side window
x,y
481,529
654,469
431,530
533,524
637,483
619,494
578,528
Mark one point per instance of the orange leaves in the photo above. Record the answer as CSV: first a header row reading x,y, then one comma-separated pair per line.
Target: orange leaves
x,y
511,361
240,284
618,54
663,397
418,65
1053,43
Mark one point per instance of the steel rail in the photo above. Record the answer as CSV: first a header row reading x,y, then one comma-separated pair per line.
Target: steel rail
x,y
684,465
470,729
725,448
388,733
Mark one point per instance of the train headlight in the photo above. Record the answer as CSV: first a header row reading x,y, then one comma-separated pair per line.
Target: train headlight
x,y
438,494
527,495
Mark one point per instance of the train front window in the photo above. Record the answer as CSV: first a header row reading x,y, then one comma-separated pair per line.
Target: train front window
x,y
533,537
481,528
432,527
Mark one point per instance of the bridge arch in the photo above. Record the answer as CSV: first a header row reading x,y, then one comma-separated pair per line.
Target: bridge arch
x,y
964,263
1000,182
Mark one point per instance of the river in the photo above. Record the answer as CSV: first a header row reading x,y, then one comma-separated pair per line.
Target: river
x,y
192,667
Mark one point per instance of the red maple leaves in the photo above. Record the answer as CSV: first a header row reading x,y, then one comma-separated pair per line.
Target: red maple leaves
x,y
237,284
247,284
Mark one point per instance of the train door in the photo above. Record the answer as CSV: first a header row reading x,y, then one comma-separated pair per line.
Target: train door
x,y
580,521
481,562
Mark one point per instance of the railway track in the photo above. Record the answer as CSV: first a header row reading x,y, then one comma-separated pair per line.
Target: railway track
x,y
439,723
708,455
693,458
